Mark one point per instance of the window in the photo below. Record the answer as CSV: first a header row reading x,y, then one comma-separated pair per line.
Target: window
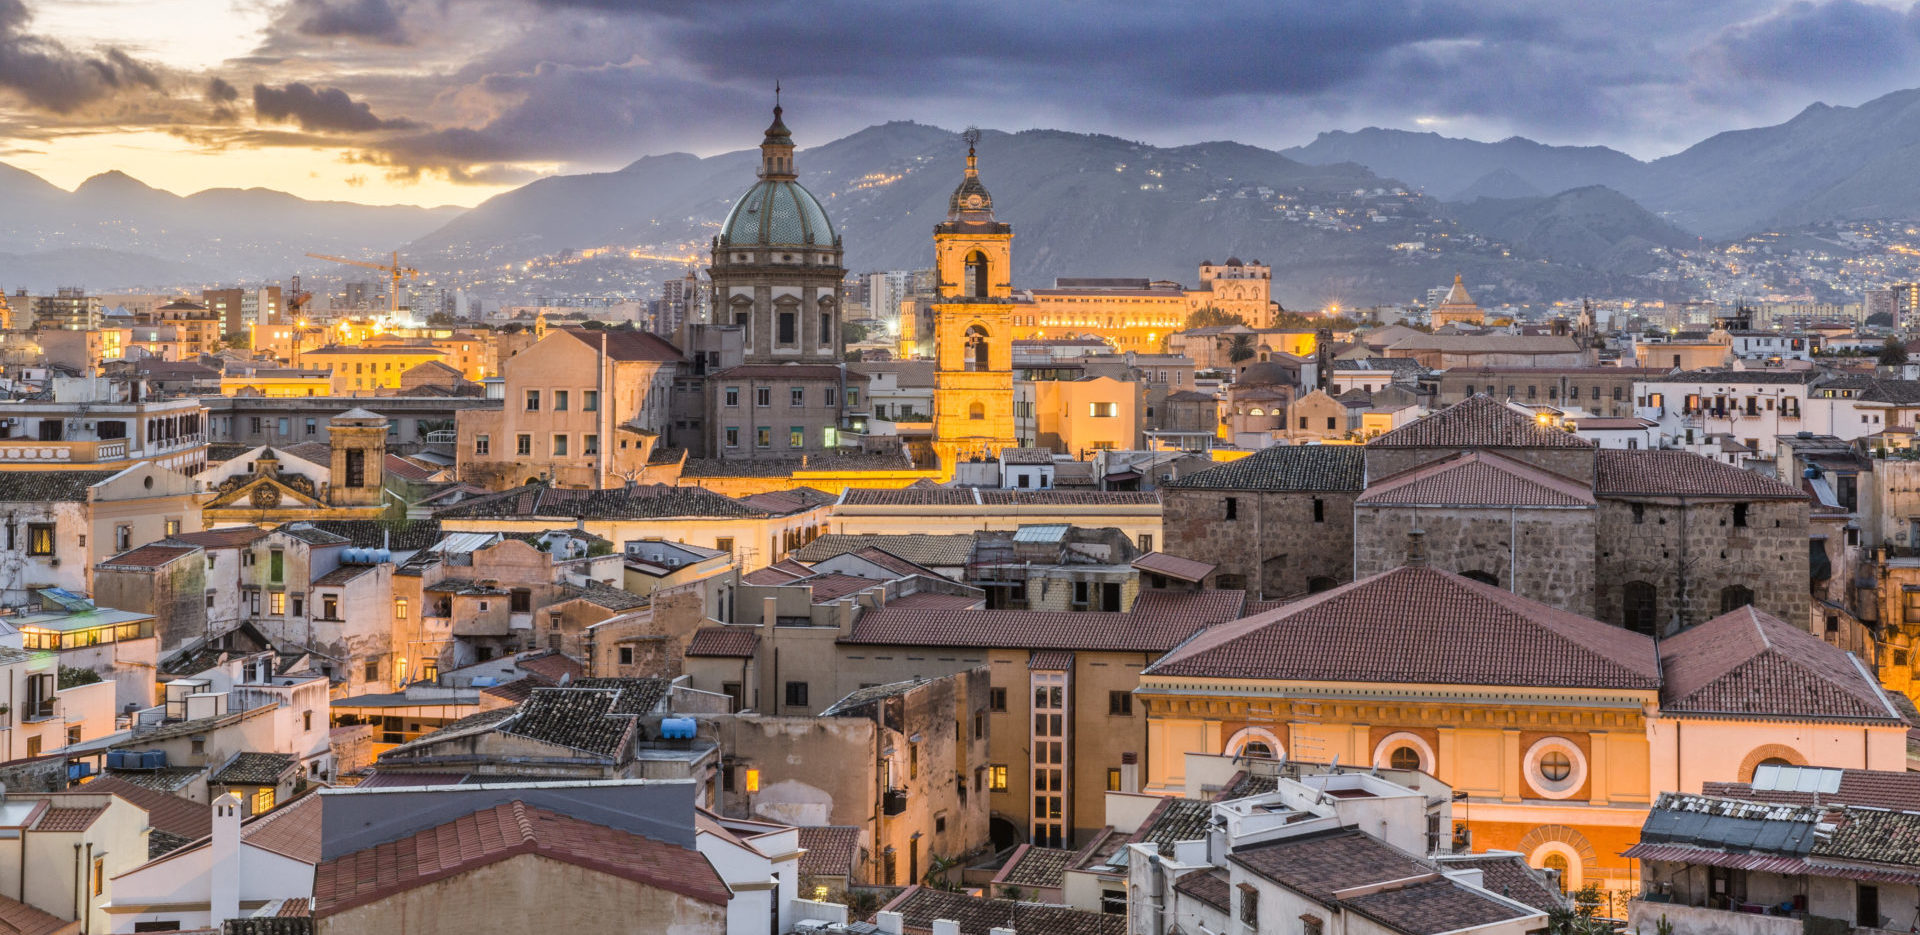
x,y
39,538
589,444
589,400
1146,542
99,875
1249,905
356,468
763,396
276,565
156,926
299,606
797,437
1740,514
1233,507
1113,779
797,694
1103,410
763,437
330,607
1120,703
1555,768
313,427
262,801
560,446
1330,424
997,778
997,697
1735,596
1404,758
306,720
833,396
399,608
797,396
626,655
559,400
533,400
1319,510
724,544
373,670
122,538
789,325
1639,514
733,436
733,396
482,445
1866,906
523,445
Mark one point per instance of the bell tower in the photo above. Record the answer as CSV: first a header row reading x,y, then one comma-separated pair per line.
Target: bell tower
x,y
973,325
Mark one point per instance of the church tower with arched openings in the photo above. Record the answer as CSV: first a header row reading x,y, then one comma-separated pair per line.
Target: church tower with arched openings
x,y
973,326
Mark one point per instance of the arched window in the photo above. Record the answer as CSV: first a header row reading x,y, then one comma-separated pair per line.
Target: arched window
x,y
1557,862
1255,742
978,345
1639,607
977,411
1404,758
1484,577
1320,583
1258,748
976,281
1735,596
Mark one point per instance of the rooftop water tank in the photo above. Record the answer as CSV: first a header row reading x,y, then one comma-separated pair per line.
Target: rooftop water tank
x,y
678,728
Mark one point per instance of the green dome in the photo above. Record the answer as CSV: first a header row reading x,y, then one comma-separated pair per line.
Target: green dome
x,y
777,211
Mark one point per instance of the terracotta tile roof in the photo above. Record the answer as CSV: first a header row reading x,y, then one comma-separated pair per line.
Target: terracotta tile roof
x,y
516,691
228,537
407,469
1869,787
783,502
930,600
1659,473
625,345
602,595
830,850
637,695
167,813
1035,866
170,779
150,556
1510,876
1285,467
1875,835
1752,664
505,831
1173,566
927,550
1478,422
1173,821
1208,886
33,486
292,830
654,501
970,496
920,906
1420,624
580,718
1432,907
1051,660
1318,865
552,667
341,575
310,534
830,588
894,563
788,467
1158,622
1738,377
733,641
1477,478
60,818
254,769
781,572
18,918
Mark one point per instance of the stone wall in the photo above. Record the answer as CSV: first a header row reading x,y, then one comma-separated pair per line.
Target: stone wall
x,y
1273,548
1541,554
1691,550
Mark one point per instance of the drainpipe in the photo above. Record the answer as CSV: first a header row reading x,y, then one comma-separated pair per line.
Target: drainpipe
x,y
78,880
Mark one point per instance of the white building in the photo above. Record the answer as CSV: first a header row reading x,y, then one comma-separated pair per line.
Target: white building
x,y
248,866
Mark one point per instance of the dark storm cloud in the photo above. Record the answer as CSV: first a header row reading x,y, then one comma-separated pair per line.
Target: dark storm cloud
x,y
1821,45
370,20
320,110
219,90
47,75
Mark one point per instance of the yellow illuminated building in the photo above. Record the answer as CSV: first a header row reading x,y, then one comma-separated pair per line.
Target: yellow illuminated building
x,y
1137,315
372,367
973,328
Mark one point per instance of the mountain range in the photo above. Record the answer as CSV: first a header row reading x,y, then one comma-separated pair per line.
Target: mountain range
x,y
1361,216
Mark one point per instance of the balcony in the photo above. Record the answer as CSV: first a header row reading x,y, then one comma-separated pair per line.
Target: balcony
x,y
62,452
894,801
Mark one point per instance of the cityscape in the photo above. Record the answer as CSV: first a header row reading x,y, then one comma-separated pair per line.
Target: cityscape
x,y
505,474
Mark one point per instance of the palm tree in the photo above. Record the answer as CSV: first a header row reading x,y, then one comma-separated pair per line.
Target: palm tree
x,y
1239,348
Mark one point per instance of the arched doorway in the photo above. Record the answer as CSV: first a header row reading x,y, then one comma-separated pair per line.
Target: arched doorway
x,y
1003,833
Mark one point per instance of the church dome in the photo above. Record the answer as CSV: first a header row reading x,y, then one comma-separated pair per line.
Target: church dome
x,y
777,211
1265,373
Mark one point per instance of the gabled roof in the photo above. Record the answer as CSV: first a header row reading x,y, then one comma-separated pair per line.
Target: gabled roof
x,y
292,830
624,344
31,486
581,718
173,814
920,906
18,918
150,556
655,501
1868,787
1285,467
830,850
894,563
922,549
1478,421
1418,624
1752,664
254,769
509,830
1173,566
226,537
1619,472
1476,478
1158,622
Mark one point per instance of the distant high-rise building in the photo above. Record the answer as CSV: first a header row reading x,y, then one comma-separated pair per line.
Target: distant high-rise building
x,y
237,308
70,308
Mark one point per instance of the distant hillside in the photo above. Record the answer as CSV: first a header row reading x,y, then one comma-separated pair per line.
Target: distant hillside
x,y
1447,168
1594,227
115,232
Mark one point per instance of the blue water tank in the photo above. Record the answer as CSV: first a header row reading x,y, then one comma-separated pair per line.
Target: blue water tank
x,y
381,556
678,728
153,759
117,759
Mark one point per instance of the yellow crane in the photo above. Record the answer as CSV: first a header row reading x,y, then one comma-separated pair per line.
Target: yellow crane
x,y
393,269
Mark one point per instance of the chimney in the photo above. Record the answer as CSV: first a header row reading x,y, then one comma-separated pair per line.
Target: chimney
x,y
224,870
1129,772
1417,547
769,611
946,927
892,923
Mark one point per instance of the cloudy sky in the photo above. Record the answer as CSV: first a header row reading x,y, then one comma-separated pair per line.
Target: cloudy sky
x,y
449,101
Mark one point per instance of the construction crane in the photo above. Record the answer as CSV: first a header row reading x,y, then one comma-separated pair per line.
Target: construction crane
x,y
393,269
